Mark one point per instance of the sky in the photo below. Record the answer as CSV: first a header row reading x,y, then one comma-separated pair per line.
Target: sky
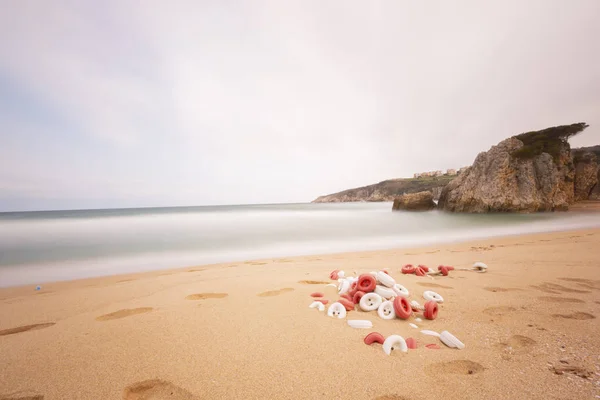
x,y
170,103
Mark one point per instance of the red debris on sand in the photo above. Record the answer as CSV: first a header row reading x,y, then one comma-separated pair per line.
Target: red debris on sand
x,y
348,304
402,307
317,294
444,270
357,296
366,283
420,271
346,296
334,274
408,269
433,346
374,337
424,267
411,343
431,310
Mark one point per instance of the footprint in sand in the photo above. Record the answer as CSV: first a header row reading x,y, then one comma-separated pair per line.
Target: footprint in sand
x,y
560,299
516,344
313,282
22,396
204,296
124,313
456,367
156,389
499,311
500,289
25,328
576,315
553,288
586,283
434,285
274,292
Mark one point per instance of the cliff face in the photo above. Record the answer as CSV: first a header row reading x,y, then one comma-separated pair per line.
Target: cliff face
x,y
500,181
421,201
387,190
586,175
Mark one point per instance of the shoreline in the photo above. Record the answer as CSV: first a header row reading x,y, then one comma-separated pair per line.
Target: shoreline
x,y
216,330
81,271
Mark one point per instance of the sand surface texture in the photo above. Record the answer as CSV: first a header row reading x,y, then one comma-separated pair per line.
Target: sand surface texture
x,y
245,331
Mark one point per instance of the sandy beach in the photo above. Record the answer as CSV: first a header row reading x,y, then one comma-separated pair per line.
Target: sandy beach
x,y
245,330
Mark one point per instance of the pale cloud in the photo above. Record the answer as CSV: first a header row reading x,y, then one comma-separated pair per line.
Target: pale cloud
x,y
159,103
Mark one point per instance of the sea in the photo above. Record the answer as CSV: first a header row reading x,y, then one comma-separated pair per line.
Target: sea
x,y
44,246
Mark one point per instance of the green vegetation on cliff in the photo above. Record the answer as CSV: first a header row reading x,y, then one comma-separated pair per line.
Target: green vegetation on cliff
x,y
549,140
387,190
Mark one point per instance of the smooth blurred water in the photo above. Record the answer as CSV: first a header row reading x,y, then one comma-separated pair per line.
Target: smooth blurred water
x,y
37,247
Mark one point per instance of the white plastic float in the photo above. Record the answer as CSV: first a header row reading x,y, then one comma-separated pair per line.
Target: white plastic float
x,y
394,342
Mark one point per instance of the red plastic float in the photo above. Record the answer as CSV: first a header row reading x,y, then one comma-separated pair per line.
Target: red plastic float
x,y
374,337
443,270
402,307
424,267
346,296
334,274
411,343
348,304
366,283
431,310
420,271
317,294
432,346
357,296
408,269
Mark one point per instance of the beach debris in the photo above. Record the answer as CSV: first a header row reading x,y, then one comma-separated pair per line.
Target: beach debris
x,y
451,341
344,287
357,296
432,296
409,269
385,292
379,291
480,267
402,307
385,279
374,337
394,342
431,310
336,310
386,310
400,290
38,288
370,302
348,304
366,283
360,323
416,306
411,343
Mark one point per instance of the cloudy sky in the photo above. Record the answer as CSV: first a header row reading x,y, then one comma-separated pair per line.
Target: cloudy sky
x,y
154,103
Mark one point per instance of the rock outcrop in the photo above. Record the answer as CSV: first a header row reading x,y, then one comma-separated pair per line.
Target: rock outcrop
x,y
421,201
526,173
387,190
586,175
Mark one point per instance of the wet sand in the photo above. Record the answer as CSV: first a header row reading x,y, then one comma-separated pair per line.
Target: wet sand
x,y
244,330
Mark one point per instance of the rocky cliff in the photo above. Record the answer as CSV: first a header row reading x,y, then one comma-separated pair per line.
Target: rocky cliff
x,y
388,190
421,201
530,172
